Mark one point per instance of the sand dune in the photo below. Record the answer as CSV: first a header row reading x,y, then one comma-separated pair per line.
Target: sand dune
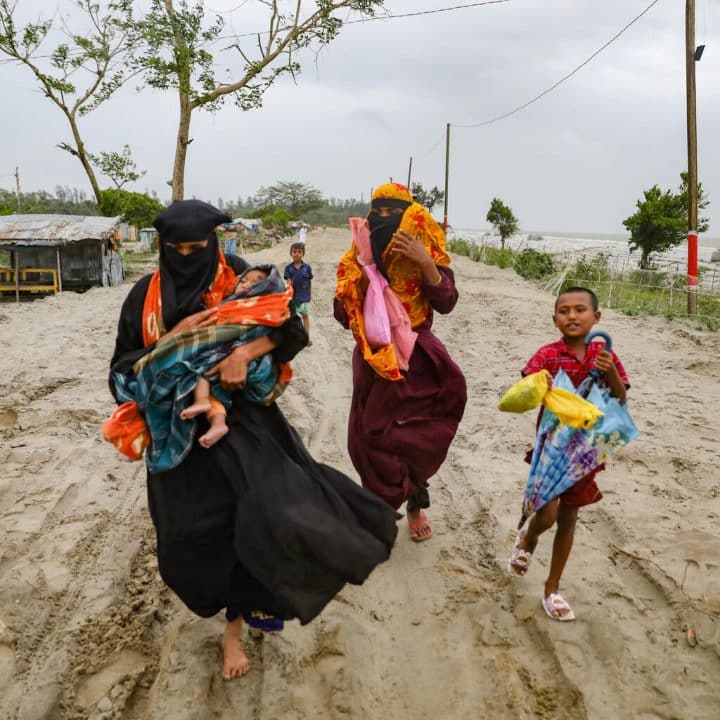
x,y
87,629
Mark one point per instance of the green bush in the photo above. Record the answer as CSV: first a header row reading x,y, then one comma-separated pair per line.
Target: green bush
x,y
277,220
585,270
137,208
502,257
534,265
460,247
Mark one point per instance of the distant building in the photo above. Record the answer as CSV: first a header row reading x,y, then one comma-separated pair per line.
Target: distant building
x,y
240,225
50,253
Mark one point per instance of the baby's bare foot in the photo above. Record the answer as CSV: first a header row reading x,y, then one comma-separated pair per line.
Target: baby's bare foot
x,y
215,433
194,410
235,661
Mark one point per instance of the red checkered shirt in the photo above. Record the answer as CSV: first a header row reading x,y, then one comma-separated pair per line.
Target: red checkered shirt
x,y
558,355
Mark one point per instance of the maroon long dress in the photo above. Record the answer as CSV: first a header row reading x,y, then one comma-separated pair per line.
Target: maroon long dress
x,y
399,433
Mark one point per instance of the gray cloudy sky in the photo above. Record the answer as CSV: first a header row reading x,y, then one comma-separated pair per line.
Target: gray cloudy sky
x,y
577,160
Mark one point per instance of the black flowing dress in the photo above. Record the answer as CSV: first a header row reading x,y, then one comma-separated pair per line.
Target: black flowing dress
x,y
254,523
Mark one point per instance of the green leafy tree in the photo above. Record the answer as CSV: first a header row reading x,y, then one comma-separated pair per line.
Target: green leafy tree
x,y
428,198
65,201
294,197
119,167
661,221
137,208
501,217
177,56
82,70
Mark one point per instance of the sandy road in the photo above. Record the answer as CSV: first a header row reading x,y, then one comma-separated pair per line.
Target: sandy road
x,y
87,630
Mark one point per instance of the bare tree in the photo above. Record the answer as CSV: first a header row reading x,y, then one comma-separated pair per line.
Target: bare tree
x,y
82,70
177,55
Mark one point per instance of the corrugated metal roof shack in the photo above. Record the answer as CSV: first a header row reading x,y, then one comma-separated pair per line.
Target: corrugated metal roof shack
x,y
50,253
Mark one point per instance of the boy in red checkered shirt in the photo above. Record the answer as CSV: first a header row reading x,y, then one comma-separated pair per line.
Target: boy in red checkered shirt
x,y
576,311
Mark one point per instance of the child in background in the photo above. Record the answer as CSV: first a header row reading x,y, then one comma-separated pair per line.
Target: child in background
x,y
203,401
300,274
576,311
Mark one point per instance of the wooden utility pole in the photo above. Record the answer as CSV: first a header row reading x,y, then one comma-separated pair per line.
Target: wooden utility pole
x,y
17,187
447,173
409,174
692,280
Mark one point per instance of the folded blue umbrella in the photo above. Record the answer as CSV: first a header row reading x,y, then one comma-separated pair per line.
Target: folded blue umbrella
x,y
563,455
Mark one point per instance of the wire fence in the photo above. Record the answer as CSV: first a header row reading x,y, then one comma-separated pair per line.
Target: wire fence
x,y
615,277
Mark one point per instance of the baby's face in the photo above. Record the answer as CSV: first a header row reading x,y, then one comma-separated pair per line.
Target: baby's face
x,y
250,278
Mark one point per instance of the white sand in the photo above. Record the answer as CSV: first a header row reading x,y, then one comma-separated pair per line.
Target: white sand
x,y
87,629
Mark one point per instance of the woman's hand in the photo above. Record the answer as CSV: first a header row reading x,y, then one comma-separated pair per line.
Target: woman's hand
x,y
411,247
204,318
233,369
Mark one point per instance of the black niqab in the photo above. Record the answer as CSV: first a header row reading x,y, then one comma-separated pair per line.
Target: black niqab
x,y
184,279
382,229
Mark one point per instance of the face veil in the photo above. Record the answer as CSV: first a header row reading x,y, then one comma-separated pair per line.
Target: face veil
x,y
382,228
184,279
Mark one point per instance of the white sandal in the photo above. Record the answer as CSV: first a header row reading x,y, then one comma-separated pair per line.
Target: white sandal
x,y
556,603
519,562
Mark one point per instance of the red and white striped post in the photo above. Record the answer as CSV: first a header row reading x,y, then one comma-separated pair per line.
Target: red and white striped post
x,y
692,261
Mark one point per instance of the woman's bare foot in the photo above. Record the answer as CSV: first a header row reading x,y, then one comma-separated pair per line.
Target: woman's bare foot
x,y
420,528
215,433
235,661
194,410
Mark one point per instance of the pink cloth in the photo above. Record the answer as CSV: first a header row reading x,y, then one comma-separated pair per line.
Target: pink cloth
x,y
361,239
375,312
379,319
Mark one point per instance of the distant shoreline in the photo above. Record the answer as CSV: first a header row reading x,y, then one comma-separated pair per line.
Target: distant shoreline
x,y
704,241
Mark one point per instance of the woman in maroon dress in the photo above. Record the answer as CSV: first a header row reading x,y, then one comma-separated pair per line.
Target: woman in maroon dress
x,y
402,420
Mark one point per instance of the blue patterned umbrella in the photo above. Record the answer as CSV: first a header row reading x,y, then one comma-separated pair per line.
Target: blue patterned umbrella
x,y
563,455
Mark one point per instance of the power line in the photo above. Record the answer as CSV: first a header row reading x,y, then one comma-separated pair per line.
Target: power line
x,y
564,78
384,17
227,12
426,153
426,12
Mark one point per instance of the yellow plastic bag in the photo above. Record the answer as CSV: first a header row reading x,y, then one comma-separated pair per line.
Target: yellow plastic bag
x,y
571,409
534,390
527,393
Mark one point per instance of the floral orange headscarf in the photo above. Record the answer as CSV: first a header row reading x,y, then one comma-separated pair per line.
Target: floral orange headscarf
x,y
404,276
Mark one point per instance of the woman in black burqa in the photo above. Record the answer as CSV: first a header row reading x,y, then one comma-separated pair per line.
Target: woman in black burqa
x,y
252,524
